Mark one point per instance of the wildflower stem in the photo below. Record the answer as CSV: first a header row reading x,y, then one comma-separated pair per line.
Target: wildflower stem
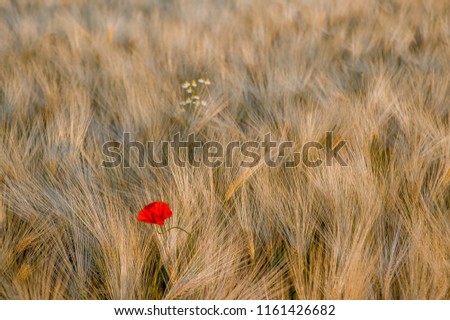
x,y
167,230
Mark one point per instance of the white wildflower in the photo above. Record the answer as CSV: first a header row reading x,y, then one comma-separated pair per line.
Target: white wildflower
x,y
185,85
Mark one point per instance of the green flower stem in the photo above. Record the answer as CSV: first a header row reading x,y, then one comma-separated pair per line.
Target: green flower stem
x,y
167,230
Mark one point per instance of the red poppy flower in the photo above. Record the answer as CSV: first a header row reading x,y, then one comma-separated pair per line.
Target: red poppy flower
x,y
155,213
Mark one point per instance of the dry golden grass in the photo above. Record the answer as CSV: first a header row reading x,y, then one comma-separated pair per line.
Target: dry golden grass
x,y
74,74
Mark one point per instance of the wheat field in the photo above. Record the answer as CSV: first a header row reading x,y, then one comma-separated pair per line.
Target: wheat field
x,y
75,74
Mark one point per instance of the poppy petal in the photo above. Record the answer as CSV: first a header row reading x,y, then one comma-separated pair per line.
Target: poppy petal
x,y
155,213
